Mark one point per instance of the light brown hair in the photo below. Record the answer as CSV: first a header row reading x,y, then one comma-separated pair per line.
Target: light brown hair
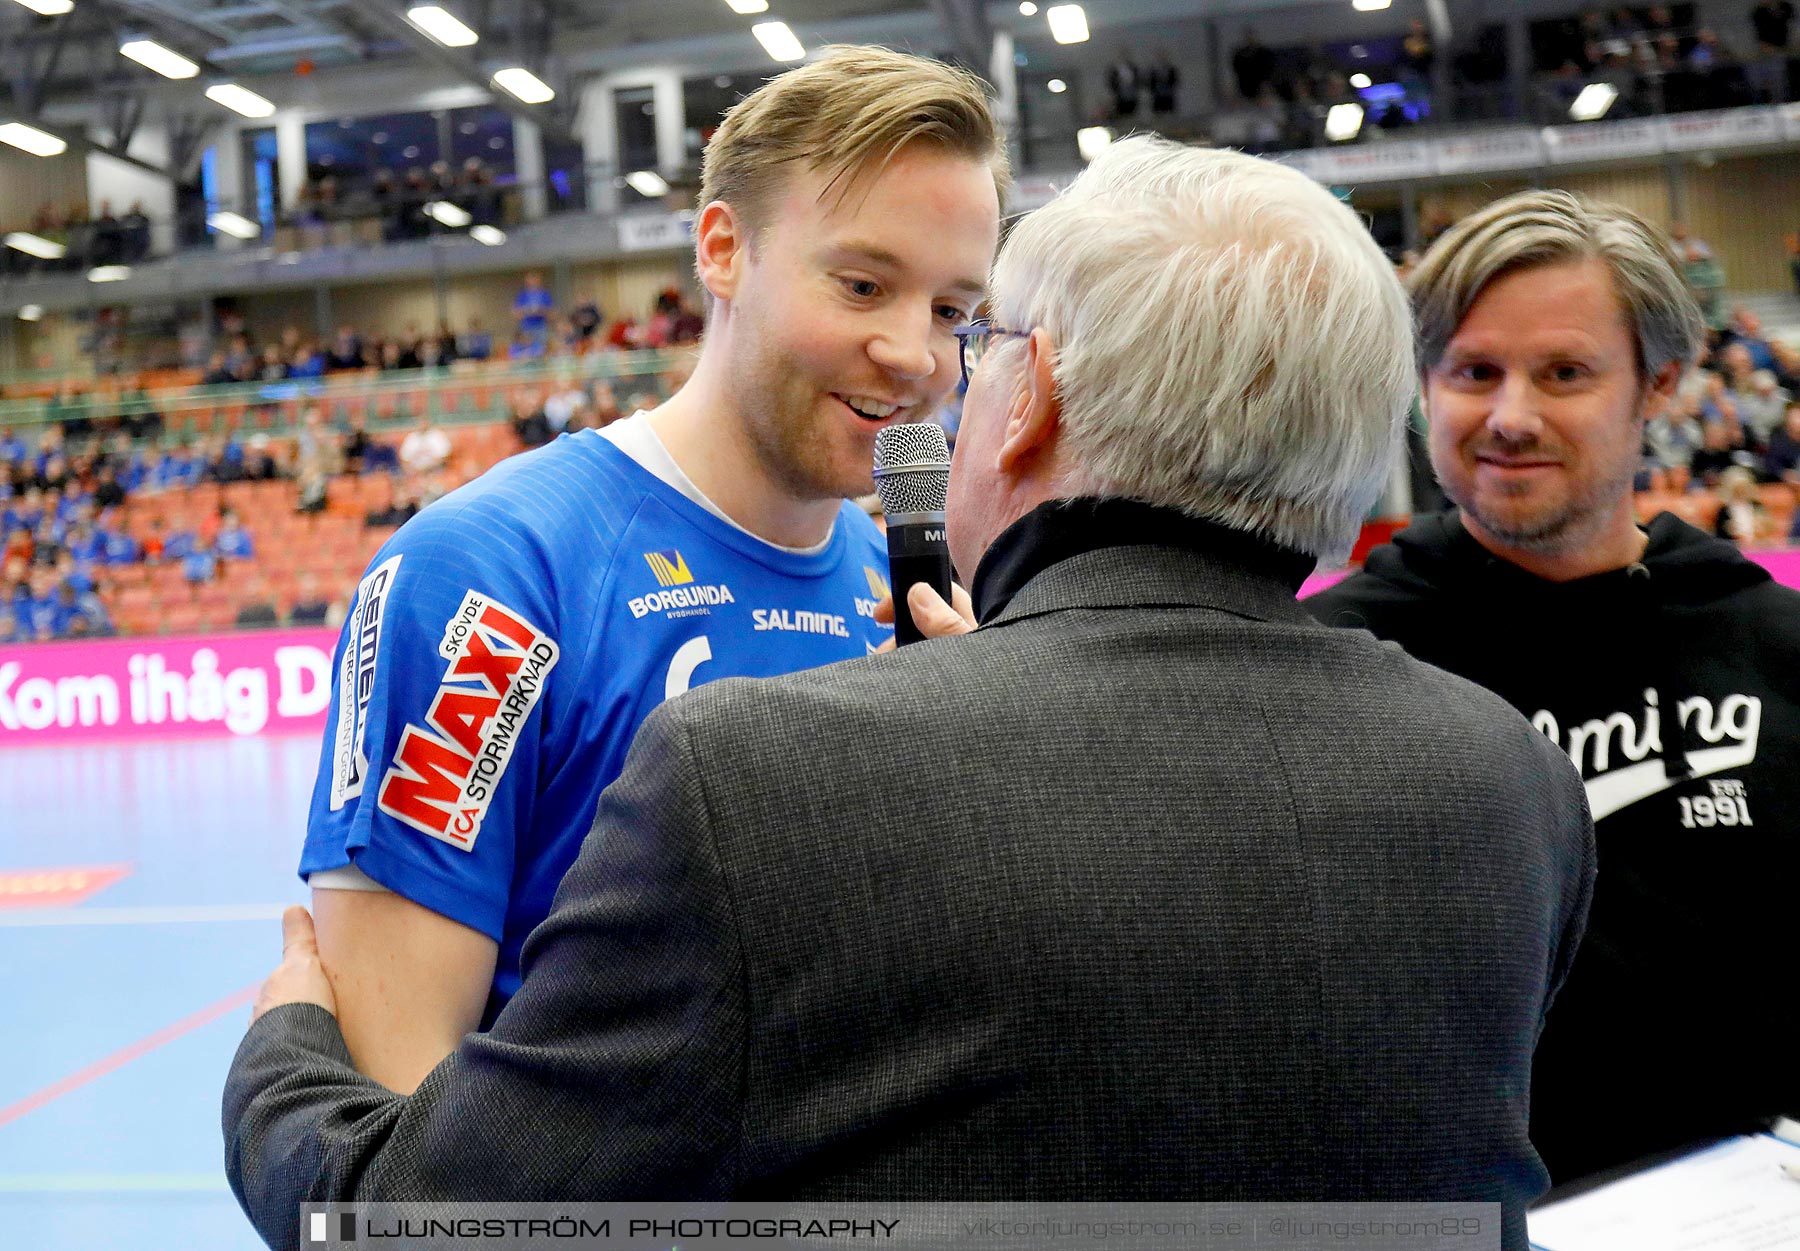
x,y
1536,228
849,111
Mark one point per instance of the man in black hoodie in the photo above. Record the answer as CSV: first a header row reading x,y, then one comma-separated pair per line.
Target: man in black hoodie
x,y
1551,328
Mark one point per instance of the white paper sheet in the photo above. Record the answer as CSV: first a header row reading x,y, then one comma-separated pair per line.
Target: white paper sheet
x,y
1732,1197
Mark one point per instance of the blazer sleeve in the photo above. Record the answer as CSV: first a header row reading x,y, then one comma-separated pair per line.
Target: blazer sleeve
x,y
616,1072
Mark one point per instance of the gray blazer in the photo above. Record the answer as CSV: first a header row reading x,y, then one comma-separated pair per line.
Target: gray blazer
x,y
1151,888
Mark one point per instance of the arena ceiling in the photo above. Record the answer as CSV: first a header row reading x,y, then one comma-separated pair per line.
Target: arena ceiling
x,y
65,71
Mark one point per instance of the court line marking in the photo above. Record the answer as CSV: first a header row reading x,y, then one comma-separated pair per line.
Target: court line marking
x,y
111,1183
142,916
126,1054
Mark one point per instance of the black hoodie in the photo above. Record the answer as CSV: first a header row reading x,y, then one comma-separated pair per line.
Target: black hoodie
x,y
1680,1019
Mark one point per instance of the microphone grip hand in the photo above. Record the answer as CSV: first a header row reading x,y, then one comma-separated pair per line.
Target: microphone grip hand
x,y
934,618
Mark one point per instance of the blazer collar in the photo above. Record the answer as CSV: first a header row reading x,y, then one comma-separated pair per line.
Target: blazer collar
x,y
1117,553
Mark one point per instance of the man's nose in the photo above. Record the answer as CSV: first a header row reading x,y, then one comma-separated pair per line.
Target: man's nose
x,y
1516,416
905,347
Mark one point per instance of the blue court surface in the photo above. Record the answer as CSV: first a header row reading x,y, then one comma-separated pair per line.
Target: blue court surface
x,y
141,886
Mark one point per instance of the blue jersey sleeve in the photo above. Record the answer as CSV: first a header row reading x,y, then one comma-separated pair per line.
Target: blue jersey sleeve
x,y
434,736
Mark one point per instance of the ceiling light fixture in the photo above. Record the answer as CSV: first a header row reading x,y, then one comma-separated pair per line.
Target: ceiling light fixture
x,y
1068,23
748,6
234,224
31,312
153,56
49,8
36,245
778,41
442,25
1361,81
1344,122
1027,8
1369,6
527,86
1594,100
448,214
1056,86
239,100
647,182
493,236
1091,141
109,273
32,140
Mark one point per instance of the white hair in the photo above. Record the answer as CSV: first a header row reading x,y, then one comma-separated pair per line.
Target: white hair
x,y
1229,340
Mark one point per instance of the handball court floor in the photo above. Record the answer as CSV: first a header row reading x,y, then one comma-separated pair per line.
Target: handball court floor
x,y
123,1006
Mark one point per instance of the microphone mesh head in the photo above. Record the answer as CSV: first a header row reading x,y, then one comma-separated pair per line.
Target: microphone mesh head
x,y
912,468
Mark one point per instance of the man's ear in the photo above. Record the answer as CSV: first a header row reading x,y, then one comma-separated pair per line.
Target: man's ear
x,y
1034,418
721,246
1661,390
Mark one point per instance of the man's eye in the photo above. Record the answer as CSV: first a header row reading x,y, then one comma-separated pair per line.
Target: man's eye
x,y
862,288
952,314
1477,372
1568,373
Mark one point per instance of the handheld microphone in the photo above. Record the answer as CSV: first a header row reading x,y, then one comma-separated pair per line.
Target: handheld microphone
x,y
912,476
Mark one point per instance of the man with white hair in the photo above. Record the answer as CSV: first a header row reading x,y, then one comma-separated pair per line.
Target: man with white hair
x,y
1147,888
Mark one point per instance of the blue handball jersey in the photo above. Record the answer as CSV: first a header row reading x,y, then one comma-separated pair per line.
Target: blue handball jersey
x,y
504,647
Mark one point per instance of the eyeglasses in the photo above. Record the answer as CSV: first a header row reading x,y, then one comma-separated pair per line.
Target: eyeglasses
x,y
972,342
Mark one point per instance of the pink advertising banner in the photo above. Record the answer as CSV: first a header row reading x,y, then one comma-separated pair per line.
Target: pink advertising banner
x,y
253,682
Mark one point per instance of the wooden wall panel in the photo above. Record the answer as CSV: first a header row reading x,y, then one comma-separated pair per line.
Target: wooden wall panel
x,y
28,182
1458,200
1644,190
1745,208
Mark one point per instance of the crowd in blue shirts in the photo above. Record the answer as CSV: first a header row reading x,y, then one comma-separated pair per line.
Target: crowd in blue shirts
x,y
62,522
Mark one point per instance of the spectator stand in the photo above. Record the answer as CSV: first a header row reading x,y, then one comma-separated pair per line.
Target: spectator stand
x,y
160,568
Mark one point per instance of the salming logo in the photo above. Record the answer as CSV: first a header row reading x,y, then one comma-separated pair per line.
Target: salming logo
x,y
878,585
670,569
1620,756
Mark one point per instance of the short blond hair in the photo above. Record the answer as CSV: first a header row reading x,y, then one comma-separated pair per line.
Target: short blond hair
x,y
851,110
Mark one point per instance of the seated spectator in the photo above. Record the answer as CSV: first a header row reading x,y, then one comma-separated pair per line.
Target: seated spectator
x,y
1724,446
529,422
107,491
433,353
563,402
1706,279
1746,328
19,607
260,463
310,608
532,307
475,344
1787,367
156,542
314,486
1742,517
86,544
1761,407
525,348
425,449
402,506
356,444
74,615
1781,462
346,352
233,542
258,610
199,564
307,363
219,372
586,318
318,442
